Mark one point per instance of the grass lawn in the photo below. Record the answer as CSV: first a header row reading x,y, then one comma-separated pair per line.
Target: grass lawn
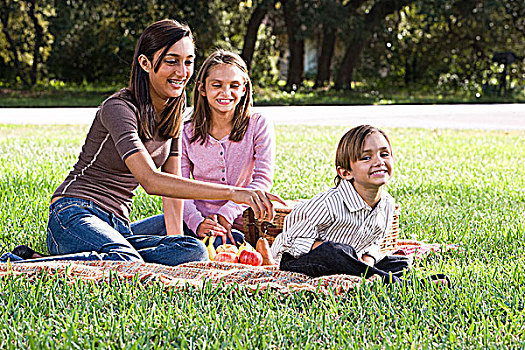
x,y
50,97
92,96
465,187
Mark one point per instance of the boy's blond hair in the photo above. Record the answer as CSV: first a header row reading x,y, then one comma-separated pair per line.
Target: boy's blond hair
x,y
351,145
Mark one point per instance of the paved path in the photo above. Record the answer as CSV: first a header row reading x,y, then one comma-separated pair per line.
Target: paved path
x,y
466,116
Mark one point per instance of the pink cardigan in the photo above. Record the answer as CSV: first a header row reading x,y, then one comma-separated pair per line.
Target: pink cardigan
x,y
248,163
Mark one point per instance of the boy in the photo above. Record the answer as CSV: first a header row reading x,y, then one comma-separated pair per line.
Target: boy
x,y
338,231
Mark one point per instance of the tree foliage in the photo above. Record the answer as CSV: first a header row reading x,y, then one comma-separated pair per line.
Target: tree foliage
x,y
447,46
444,45
24,39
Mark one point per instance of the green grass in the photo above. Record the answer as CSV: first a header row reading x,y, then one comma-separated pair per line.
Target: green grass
x,y
465,187
55,96
366,96
61,95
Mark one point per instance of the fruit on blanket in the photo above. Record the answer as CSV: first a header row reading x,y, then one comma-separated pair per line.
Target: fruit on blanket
x,y
227,248
210,247
211,252
248,257
245,246
226,257
263,247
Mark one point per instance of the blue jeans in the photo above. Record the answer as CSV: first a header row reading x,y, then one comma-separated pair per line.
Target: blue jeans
x,y
78,229
157,224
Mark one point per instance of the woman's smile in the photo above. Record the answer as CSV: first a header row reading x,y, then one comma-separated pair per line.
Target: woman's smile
x,y
177,82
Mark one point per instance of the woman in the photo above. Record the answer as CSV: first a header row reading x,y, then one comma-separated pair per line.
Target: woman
x,y
135,132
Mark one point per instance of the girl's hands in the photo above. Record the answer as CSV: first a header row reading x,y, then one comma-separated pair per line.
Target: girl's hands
x,y
224,223
210,227
258,200
216,225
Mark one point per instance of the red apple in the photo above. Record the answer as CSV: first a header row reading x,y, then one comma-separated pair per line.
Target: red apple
x,y
226,257
248,257
243,246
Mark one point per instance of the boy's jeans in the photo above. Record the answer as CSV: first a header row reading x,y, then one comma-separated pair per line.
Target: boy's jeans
x,y
332,258
78,229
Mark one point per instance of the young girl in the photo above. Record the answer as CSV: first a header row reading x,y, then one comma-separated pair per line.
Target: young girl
x,y
225,143
134,133
338,231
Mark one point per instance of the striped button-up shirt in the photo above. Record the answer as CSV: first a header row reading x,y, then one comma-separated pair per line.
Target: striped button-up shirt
x,y
339,215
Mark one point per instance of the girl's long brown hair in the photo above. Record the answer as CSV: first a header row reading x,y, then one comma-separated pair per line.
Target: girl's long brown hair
x,y
160,35
201,111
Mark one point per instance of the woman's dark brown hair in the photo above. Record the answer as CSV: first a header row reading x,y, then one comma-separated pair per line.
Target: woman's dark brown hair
x,y
241,117
351,146
160,35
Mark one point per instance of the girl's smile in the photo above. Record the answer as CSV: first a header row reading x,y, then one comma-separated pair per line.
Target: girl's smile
x,y
224,102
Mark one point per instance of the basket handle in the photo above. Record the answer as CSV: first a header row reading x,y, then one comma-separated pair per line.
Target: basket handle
x,y
265,226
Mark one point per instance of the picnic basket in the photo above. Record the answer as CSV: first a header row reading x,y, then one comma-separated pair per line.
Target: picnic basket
x,y
254,229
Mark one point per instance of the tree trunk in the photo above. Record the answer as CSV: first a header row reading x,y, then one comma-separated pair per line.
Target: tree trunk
x,y
414,76
406,76
355,47
4,18
343,80
325,58
39,34
295,44
296,65
250,38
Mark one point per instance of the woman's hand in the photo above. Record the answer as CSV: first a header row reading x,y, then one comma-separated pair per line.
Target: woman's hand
x,y
168,185
210,227
258,200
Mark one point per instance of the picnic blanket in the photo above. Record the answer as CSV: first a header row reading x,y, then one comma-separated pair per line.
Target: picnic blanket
x,y
418,249
194,274
198,274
